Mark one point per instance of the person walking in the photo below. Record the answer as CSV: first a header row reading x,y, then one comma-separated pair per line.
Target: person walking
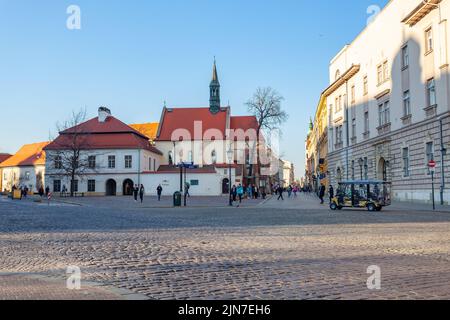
x,y
240,192
331,193
41,191
249,192
159,191
141,193
289,191
280,191
135,192
187,187
322,193
234,193
47,191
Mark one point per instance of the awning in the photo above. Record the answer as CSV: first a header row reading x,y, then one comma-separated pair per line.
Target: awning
x,y
424,8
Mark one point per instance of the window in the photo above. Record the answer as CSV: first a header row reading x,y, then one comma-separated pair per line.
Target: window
x,y
339,135
406,104
405,155
214,157
383,72
154,164
91,162
353,93
74,185
27,175
337,75
366,122
366,85
380,74
170,158
405,57
430,154
337,104
354,128
58,162
429,40
91,185
384,113
431,93
149,164
56,185
128,162
190,157
111,162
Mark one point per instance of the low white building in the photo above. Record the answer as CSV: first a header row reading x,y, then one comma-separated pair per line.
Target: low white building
x,y
112,158
26,168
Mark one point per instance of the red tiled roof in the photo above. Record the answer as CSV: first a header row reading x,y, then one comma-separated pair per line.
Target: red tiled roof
x,y
111,134
173,169
4,156
184,118
244,122
111,125
28,155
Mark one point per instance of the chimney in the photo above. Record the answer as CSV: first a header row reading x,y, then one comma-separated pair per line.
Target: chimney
x,y
103,114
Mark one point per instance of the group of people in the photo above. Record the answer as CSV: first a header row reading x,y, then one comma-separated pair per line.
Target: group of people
x,y
291,190
139,191
241,192
322,192
24,190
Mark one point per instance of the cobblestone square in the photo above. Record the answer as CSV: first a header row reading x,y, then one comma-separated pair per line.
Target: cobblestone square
x,y
294,249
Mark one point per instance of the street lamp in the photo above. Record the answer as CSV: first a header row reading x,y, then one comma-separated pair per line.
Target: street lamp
x,y
230,155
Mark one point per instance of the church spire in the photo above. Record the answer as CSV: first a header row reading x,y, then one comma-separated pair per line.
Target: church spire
x,y
214,91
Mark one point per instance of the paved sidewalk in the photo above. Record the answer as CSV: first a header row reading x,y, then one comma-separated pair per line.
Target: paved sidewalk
x,y
152,202
37,287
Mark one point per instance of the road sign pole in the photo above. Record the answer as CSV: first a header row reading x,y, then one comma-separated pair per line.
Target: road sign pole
x,y
432,192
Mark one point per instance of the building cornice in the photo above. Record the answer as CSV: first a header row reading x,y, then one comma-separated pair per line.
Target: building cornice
x,y
350,73
420,12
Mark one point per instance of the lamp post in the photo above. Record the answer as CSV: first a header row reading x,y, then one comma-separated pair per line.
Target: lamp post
x,y
230,154
361,163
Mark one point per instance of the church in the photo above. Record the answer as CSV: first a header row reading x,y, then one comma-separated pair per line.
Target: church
x,y
121,156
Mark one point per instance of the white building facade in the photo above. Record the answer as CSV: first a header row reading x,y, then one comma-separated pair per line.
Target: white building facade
x,y
388,101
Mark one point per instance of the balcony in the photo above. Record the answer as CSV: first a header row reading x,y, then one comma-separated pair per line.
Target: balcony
x,y
383,129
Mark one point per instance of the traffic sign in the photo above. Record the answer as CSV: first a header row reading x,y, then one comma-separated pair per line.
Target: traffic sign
x,y
432,164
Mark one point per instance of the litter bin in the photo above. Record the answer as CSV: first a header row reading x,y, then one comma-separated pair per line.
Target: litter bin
x,y
177,199
17,194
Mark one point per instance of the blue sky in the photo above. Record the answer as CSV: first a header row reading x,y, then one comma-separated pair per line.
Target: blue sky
x,y
133,55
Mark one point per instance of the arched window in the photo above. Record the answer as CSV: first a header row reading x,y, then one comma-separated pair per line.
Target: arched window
x,y
214,157
339,175
170,158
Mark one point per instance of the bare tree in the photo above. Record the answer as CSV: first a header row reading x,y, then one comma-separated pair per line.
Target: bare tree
x,y
265,105
65,153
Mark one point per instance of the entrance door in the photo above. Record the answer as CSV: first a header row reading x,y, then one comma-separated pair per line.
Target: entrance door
x,y
128,187
111,187
225,186
382,170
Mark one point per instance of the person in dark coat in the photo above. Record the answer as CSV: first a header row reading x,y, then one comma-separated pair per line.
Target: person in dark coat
x,y
141,193
331,193
135,192
280,191
322,193
41,191
159,191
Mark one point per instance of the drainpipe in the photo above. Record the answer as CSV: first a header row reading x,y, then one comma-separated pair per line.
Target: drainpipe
x,y
139,169
443,154
346,129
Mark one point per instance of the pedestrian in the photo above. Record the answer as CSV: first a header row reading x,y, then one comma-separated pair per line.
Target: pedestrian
x,y
289,190
41,191
141,193
47,191
240,192
295,191
280,191
135,192
159,191
331,193
249,192
234,193
322,193
256,193
187,187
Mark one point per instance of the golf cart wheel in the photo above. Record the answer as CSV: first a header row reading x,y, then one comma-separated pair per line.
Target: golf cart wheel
x,y
371,207
333,206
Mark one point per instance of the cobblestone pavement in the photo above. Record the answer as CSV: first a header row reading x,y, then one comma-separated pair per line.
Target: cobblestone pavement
x,y
291,250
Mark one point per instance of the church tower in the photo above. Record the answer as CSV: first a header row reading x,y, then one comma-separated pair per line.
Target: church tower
x,y
214,92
